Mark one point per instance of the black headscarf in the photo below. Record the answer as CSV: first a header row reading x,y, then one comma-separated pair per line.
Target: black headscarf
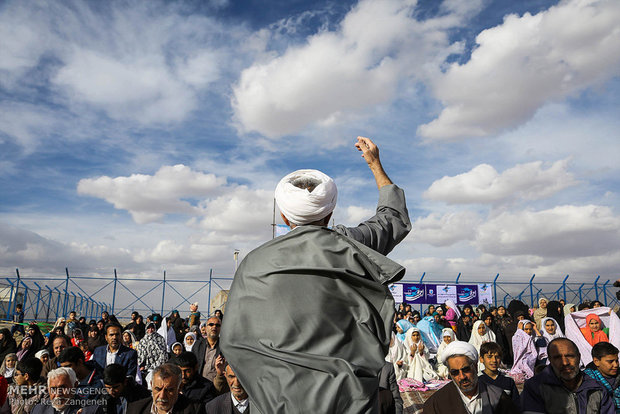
x,y
8,344
555,311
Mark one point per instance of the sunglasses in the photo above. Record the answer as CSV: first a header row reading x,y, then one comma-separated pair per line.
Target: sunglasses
x,y
214,324
465,370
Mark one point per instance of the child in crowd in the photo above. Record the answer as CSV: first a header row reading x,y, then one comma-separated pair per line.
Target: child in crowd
x,y
83,345
447,335
491,357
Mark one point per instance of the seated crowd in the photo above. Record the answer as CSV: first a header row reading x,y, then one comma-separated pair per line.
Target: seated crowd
x,y
174,365
153,366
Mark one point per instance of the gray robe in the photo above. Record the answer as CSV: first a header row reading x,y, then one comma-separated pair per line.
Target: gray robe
x,y
309,316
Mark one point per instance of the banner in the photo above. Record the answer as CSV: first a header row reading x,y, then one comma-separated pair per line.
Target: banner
x,y
445,292
485,294
431,294
414,293
467,294
397,292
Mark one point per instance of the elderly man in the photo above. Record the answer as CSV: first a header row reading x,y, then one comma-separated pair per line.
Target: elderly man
x,y
59,343
465,394
235,401
309,315
166,399
562,388
61,383
120,389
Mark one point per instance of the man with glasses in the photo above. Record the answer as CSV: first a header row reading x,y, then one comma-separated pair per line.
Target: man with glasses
x,y
562,387
29,388
465,394
208,352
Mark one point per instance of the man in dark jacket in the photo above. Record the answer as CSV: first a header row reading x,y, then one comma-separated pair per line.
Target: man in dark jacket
x,y
193,386
389,394
233,402
562,388
465,394
115,352
120,390
165,398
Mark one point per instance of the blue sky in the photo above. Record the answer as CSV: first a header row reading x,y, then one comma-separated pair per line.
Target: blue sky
x,y
149,136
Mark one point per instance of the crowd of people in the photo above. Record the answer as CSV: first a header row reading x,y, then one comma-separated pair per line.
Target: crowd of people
x,y
546,347
155,365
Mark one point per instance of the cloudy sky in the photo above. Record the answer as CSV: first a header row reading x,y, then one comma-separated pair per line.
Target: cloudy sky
x,y
148,135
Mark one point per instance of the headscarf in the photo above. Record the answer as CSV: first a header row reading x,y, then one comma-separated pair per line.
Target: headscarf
x,y
540,313
189,347
442,346
524,350
431,333
396,353
175,344
132,336
558,332
450,303
40,353
476,339
594,338
405,325
167,333
567,308
8,372
301,206
459,348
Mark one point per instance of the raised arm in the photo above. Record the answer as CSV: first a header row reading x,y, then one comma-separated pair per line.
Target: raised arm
x,y
389,226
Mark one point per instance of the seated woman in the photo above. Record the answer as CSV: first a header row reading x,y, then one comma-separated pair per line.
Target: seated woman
x,y
129,339
398,356
529,347
447,337
479,335
594,331
25,349
402,326
419,367
550,329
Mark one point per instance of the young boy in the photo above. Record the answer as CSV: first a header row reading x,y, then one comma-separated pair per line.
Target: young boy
x,y
491,357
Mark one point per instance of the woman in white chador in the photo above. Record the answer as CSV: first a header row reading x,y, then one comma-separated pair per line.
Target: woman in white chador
x,y
419,367
480,334
447,336
399,357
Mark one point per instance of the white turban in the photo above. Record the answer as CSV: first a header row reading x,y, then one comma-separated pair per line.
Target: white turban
x,y
458,348
301,206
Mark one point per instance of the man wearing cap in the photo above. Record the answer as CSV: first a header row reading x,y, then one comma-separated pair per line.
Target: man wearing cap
x,y
309,315
465,394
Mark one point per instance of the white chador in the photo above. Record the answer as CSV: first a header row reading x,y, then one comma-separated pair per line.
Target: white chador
x,y
419,367
399,357
447,336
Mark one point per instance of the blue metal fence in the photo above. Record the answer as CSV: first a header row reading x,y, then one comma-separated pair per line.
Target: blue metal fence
x,y
46,299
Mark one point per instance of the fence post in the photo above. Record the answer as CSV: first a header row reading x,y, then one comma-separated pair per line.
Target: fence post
x,y
12,310
65,303
210,283
422,278
457,278
596,286
564,287
8,310
495,290
114,293
57,303
532,291
36,312
74,301
49,304
505,296
163,294
25,297
538,295
605,292
580,298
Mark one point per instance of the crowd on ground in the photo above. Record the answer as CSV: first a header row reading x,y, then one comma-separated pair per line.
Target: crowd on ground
x,y
547,347
155,365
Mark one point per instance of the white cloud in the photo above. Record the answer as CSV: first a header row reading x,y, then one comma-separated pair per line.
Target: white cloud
x,y
525,62
560,232
444,230
337,74
356,215
483,184
125,59
149,197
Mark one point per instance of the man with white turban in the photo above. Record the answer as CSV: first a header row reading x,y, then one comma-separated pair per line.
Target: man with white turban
x,y
465,394
310,315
